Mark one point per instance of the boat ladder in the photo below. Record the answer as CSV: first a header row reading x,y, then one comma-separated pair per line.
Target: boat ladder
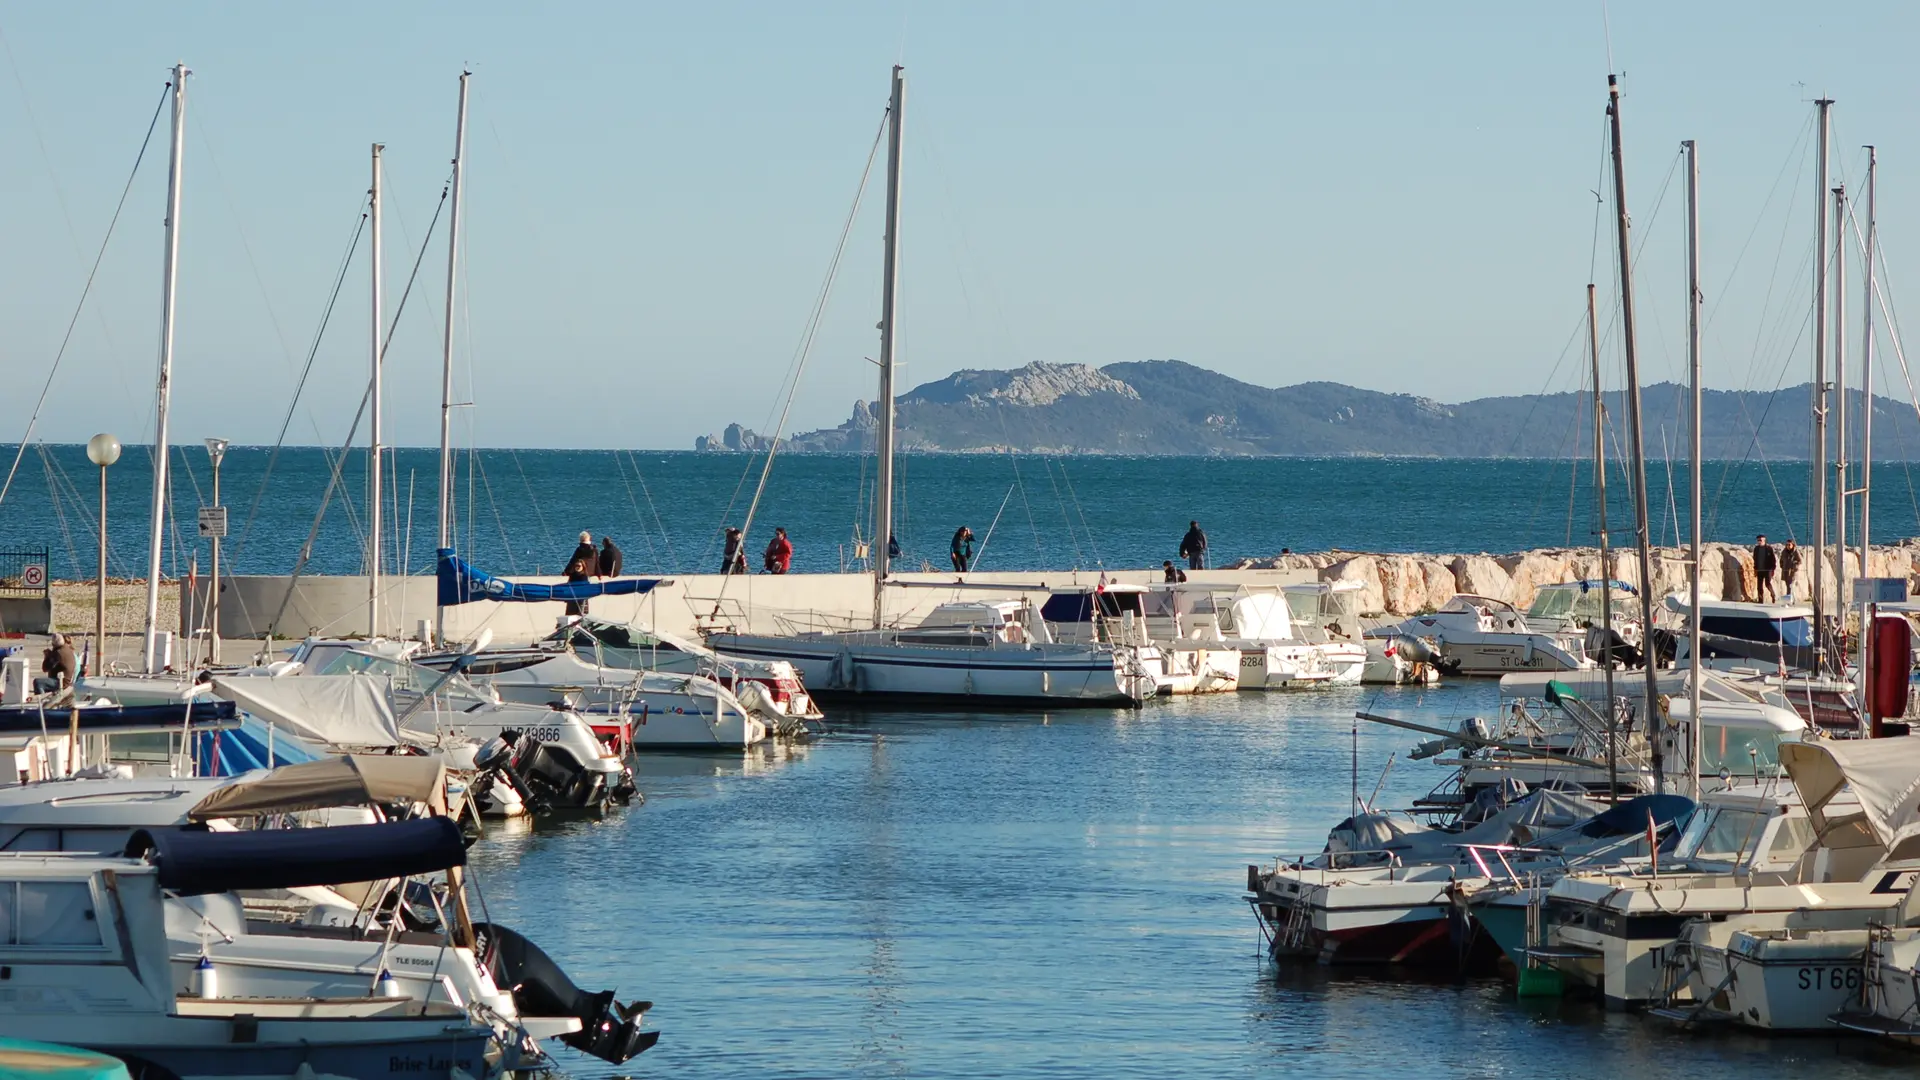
x,y
1294,935
1677,962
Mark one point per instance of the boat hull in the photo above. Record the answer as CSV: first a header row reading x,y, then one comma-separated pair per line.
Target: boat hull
x,y
852,671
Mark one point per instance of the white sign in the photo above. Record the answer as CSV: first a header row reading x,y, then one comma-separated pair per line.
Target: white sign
x,y
213,522
33,576
1880,590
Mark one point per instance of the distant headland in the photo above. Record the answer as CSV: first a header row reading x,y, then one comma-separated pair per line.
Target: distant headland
x,y
1166,407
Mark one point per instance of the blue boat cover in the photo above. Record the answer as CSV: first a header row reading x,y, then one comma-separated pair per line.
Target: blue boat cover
x,y
244,749
194,862
1633,815
460,583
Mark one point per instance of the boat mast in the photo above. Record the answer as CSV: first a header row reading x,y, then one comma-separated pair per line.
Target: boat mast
x,y
1825,106
171,268
373,456
446,352
1694,467
889,289
1840,602
1866,408
1606,558
1642,535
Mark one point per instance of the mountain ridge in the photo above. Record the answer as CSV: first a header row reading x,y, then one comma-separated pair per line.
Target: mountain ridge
x,y
1169,407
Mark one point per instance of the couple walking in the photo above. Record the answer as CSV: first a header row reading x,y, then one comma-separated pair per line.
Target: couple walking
x,y
1765,561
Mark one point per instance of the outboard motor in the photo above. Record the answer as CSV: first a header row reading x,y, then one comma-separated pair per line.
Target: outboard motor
x,y
609,1030
1415,650
550,776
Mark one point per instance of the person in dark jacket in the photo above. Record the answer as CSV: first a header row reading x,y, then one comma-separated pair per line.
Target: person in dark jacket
x,y
893,546
58,668
582,565
611,558
962,550
1193,547
1763,563
779,554
733,560
1172,573
1789,567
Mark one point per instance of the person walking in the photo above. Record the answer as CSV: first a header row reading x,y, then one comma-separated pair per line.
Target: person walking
x,y
733,560
962,551
57,666
1763,564
1193,547
583,565
1789,567
611,558
779,553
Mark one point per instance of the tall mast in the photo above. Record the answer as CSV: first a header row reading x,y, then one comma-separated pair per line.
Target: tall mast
x,y
446,352
1638,444
1606,557
889,289
373,455
1841,599
1819,553
1866,406
165,390
1694,468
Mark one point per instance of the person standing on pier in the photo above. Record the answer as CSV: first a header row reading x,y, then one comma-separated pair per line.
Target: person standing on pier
x,y
733,560
582,565
611,558
1193,547
962,550
1763,563
1789,567
779,553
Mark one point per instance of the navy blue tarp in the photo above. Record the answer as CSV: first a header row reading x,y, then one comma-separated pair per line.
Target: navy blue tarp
x,y
106,719
193,862
460,583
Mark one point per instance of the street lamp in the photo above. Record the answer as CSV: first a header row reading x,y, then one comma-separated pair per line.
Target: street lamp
x,y
215,527
103,450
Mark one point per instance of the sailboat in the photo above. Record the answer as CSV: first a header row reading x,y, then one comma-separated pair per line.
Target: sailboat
x,y
992,652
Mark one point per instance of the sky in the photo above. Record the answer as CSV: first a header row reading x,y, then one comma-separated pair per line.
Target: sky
x,y
1397,196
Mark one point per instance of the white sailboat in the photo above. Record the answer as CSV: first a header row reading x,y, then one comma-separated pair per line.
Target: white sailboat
x,y
976,654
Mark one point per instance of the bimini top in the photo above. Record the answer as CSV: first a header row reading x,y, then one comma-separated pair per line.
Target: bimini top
x,y
193,863
354,780
1884,774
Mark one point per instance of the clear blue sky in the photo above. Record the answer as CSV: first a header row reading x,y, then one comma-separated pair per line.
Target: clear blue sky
x,y
1390,195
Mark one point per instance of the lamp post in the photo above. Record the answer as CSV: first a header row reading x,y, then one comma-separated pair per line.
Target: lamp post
x,y
103,450
216,528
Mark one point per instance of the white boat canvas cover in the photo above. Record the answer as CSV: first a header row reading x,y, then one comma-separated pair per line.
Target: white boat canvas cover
x,y
1262,617
353,780
1884,775
335,710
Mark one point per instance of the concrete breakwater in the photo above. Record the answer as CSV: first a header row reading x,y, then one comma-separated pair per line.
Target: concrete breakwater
x,y
1393,584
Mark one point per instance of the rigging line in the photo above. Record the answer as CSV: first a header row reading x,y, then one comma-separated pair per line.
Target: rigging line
x,y
1079,559
1579,324
805,348
1754,445
988,539
326,499
486,484
198,119
92,273
666,539
539,517
646,537
1795,153
313,351
60,514
1081,510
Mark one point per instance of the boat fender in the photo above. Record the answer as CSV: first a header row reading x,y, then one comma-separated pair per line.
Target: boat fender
x,y
206,981
387,986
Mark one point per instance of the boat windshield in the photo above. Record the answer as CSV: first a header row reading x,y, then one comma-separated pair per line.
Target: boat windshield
x,y
404,676
1721,834
1553,603
1793,631
1742,751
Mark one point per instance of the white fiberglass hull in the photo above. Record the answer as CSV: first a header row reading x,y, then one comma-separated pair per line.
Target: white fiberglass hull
x,y
874,666
1777,984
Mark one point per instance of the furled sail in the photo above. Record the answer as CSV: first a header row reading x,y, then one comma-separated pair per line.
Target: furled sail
x,y
461,583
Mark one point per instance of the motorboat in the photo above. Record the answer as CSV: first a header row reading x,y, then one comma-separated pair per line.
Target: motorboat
x,y
1797,952
1147,620
1478,635
1582,608
1328,613
1386,888
975,653
1275,647
1772,646
89,941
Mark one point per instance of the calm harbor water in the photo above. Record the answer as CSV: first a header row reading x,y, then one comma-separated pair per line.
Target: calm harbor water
x,y
1039,896
519,511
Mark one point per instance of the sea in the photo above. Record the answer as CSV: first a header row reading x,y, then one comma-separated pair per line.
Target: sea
x,y
1038,894
521,511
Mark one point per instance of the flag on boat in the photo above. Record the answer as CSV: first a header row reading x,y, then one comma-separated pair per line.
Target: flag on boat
x,y
461,583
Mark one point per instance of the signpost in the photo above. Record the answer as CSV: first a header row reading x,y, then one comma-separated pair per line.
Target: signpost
x,y
1879,590
213,522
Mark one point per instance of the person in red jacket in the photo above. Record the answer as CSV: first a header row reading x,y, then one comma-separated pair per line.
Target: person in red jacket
x,y
779,554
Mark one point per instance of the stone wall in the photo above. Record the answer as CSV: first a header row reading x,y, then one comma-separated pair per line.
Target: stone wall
x,y
1408,584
